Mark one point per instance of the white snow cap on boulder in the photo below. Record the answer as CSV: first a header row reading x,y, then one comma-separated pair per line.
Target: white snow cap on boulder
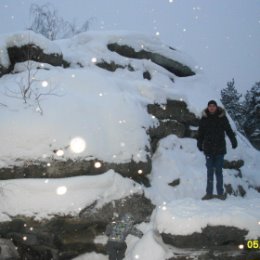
x,y
22,38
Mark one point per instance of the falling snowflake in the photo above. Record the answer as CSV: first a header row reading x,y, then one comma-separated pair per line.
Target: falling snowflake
x,y
60,152
164,208
45,83
140,171
98,164
94,60
61,190
77,145
241,246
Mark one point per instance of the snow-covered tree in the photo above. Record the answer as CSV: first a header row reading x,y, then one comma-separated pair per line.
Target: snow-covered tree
x,y
45,20
230,98
252,109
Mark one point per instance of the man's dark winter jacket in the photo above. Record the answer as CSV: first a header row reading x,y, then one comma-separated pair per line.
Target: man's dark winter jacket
x,y
211,133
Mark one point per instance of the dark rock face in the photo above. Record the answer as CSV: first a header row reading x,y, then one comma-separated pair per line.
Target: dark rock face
x,y
233,164
174,67
32,52
175,183
147,75
164,129
214,242
238,191
35,53
60,169
139,206
112,66
174,118
255,140
173,110
209,237
4,70
65,237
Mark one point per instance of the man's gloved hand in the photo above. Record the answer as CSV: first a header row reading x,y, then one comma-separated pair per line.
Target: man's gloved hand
x,y
234,143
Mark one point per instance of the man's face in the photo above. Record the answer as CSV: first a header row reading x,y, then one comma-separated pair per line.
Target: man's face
x,y
212,108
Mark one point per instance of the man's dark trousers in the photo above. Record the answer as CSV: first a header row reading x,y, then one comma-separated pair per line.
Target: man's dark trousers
x,y
214,163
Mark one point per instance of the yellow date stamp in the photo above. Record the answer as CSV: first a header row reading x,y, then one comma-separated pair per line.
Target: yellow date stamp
x,y
253,244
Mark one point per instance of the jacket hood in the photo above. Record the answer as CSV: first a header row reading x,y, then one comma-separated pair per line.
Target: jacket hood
x,y
221,112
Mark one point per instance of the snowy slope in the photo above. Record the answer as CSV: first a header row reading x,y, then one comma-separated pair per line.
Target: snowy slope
x,y
88,112
105,109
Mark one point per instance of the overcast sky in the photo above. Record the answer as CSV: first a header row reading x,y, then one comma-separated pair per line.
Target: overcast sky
x,y
222,36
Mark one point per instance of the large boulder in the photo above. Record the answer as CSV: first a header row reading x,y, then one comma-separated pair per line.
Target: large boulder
x,y
65,237
35,53
25,46
173,110
174,118
214,242
69,168
211,236
173,66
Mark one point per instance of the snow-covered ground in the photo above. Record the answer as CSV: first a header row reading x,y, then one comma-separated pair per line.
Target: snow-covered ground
x,y
87,112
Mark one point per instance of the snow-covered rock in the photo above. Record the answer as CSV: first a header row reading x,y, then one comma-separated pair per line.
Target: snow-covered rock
x,y
124,104
27,45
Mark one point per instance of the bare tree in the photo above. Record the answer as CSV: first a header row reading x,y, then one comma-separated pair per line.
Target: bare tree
x,y
31,89
45,20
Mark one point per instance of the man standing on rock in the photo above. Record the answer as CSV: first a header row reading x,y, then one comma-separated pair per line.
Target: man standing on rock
x,y
211,140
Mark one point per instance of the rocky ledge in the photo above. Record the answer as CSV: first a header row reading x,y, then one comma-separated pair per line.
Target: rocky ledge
x,y
214,243
65,237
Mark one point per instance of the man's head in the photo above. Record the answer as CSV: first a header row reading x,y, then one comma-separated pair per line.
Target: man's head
x,y
212,106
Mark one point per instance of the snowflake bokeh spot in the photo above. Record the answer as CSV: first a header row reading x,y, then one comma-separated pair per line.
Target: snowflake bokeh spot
x,y
60,152
241,246
45,83
77,145
98,164
61,190
94,60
